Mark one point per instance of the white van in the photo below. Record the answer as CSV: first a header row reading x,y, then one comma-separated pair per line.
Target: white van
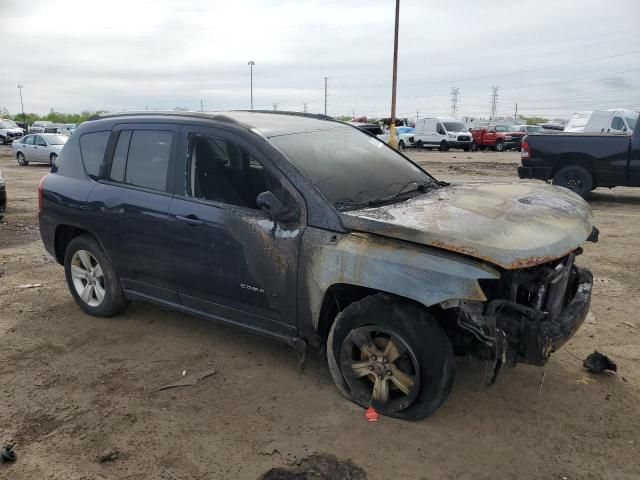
x,y
443,133
611,120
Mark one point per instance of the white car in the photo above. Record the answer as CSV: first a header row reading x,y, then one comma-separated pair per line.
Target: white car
x,y
40,148
404,137
9,131
39,126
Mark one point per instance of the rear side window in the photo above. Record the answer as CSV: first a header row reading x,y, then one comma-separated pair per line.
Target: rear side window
x,y
141,158
92,147
617,123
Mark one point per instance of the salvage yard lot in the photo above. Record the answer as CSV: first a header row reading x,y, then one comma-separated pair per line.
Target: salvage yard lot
x,y
74,386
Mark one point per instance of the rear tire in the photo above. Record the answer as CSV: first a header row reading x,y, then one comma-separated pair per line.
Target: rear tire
x,y
391,354
52,158
91,278
21,160
575,178
419,144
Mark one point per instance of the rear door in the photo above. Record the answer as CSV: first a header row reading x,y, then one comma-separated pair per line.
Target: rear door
x,y
634,159
230,260
131,204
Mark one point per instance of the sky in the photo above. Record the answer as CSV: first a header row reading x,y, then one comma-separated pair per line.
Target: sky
x,y
552,58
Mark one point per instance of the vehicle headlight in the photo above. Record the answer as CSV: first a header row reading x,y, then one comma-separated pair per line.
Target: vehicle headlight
x,y
452,135
508,137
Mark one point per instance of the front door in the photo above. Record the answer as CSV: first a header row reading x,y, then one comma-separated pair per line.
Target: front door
x,y
230,259
130,204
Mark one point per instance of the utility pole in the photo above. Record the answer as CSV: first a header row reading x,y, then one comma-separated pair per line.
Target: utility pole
x,y
455,91
353,112
201,106
325,94
392,123
515,115
24,119
304,105
417,115
494,102
251,65
275,106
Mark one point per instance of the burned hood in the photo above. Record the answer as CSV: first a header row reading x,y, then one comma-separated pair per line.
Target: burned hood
x,y
511,225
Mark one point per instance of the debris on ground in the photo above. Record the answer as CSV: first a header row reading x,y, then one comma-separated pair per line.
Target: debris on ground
x,y
30,285
188,381
371,415
107,456
7,454
598,363
629,324
318,467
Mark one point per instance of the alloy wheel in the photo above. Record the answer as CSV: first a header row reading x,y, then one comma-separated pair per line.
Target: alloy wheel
x,y
88,278
380,368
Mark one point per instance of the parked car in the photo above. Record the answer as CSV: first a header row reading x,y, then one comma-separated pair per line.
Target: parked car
x,y
309,231
42,148
68,128
39,126
9,131
54,128
372,129
529,129
497,137
3,196
443,133
582,162
404,137
610,120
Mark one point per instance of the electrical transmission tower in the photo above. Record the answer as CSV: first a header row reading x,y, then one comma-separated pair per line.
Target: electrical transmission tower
x,y
275,107
494,102
304,105
455,91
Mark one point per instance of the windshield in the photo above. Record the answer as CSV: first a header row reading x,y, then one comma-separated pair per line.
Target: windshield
x,y
351,168
454,126
8,124
506,128
631,122
404,130
534,129
56,139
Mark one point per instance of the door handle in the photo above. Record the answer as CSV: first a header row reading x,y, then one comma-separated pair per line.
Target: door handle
x,y
112,211
191,220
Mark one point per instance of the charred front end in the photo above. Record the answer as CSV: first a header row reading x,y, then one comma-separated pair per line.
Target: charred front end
x,y
530,312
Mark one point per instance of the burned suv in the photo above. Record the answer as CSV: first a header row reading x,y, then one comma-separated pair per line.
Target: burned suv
x,y
310,231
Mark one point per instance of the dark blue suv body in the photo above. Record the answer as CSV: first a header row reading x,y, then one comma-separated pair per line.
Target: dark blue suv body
x,y
310,231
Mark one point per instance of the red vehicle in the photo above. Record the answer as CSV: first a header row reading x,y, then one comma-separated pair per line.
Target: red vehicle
x,y
497,137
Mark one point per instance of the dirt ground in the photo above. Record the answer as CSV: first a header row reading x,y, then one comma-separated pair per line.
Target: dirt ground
x,y
73,386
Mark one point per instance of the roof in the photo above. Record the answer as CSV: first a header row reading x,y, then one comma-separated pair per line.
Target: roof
x,y
268,123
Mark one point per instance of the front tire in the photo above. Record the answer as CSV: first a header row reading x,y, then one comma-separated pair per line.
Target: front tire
x,y
444,146
21,160
499,147
401,145
575,178
391,354
91,278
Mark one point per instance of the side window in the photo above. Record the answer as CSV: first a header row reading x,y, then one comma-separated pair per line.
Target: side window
x,y
491,130
148,160
40,141
617,124
119,161
30,139
440,129
223,171
92,147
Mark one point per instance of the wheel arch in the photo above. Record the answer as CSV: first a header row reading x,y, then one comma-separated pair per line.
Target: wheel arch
x,y
63,236
584,161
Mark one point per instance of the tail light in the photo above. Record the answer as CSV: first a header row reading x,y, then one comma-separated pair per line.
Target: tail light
x,y
40,188
525,149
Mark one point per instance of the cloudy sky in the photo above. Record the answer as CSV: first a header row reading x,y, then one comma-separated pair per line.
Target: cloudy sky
x,y
551,57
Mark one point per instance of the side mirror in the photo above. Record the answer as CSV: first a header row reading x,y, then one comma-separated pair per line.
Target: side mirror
x,y
268,202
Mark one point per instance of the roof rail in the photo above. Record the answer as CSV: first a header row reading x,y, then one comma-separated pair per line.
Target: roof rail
x,y
317,116
165,113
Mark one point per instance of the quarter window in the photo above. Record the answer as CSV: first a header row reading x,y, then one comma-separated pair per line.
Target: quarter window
x,y
617,123
92,148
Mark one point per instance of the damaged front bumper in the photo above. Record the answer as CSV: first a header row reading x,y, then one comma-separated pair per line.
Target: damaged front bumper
x,y
530,338
531,314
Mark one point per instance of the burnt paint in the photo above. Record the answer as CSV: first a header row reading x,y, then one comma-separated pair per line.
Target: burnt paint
x,y
507,224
